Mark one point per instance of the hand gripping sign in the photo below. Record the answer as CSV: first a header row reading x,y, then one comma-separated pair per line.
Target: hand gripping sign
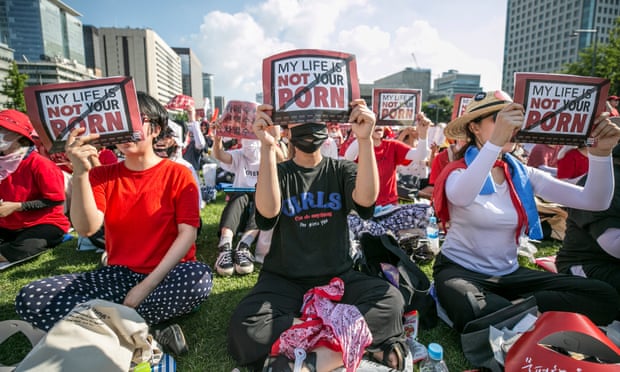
x,y
108,107
396,106
559,109
309,85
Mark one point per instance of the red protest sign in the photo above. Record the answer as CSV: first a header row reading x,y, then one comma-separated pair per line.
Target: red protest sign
x,y
237,120
180,102
461,100
396,106
108,107
559,109
309,85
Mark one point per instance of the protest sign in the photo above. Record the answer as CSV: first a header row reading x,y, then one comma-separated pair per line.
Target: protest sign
x,y
461,100
108,107
559,109
237,120
309,85
396,106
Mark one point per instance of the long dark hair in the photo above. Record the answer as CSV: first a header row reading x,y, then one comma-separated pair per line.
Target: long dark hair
x,y
153,110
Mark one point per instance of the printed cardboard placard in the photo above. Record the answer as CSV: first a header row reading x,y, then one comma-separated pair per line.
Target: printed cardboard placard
x,y
559,109
310,85
107,106
237,120
396,106
461,100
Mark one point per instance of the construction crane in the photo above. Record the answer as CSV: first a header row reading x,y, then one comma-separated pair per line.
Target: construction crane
x,y
415,60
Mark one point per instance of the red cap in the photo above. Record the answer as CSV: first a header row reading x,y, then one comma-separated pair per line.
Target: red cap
x,y
17,122
615,98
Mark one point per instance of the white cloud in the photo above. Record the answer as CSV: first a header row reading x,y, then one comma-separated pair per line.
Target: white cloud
x,y
232,46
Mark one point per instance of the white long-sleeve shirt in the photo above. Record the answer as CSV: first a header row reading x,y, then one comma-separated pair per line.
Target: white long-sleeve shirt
x,y
481,236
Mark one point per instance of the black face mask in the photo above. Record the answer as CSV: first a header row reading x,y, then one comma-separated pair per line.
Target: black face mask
x,y
308,137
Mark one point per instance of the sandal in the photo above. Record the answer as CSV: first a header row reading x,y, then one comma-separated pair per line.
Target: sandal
x,y
398,350
280,363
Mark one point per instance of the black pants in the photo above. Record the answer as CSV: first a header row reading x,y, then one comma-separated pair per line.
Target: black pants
x,y
467,295
269,309
607,271
238,214
16,245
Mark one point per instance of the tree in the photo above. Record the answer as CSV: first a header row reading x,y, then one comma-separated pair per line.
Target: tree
x,y
13,89
438,110
607,63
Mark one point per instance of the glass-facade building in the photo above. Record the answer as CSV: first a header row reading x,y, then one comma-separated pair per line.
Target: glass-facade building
x,y
42,30
541,35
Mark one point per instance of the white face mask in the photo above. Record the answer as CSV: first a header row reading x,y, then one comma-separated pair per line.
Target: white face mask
x,y
251,149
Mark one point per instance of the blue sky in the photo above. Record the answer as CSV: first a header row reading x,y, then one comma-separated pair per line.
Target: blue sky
x,y
231,37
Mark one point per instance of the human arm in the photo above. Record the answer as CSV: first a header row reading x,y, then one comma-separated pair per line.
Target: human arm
x,y
179,248
267,196
367,181
85,216
194,127
597,192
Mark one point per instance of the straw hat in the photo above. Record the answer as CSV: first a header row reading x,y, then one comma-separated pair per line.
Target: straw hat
x,y
483,104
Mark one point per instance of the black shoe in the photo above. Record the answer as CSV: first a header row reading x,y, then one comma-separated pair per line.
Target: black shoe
x,y
244,261
224,262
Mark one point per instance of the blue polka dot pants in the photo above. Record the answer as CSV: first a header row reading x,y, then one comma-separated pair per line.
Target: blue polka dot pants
x,y
44,302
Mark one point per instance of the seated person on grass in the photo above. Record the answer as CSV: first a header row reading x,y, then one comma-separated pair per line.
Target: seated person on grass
x,y
238,214
306,253
488,197
591,245
149,206
32,193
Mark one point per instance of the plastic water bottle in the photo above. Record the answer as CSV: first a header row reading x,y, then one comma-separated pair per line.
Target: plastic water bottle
x,y
434,362
432,234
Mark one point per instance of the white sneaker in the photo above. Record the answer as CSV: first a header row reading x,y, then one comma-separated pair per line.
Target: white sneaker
x,y
224,262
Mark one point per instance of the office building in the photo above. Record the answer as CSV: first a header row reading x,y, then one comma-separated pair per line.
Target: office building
x,y
191,75
545,35
41,30
452,82
143,55
207,91
92,51
409,78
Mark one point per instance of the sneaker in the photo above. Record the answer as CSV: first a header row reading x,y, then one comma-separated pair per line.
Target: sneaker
x,y
244,261
224,262
172,339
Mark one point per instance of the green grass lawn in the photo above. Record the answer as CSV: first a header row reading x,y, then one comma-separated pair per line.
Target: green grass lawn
x,y
204,330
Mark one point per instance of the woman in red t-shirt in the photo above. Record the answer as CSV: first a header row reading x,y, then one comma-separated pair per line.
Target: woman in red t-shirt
x,y
31,193
149,206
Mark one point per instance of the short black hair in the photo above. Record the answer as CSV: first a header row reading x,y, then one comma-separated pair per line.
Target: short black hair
x,y
153,110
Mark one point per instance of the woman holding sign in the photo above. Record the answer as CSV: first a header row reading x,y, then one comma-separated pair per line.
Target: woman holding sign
x,y
149,206
488,198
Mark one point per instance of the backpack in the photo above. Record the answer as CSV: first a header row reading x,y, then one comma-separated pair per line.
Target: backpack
x,y
413,284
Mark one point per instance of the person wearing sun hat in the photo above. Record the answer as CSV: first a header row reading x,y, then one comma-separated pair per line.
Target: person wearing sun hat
x,y
488,198
32,193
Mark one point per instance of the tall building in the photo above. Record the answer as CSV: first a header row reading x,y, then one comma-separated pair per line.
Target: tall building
x,y
544,35
142,54
191,75
42,30
207,90
92,51
409,78
452,82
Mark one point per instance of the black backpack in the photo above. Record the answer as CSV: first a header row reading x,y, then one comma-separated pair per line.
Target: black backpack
x,y
413,284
